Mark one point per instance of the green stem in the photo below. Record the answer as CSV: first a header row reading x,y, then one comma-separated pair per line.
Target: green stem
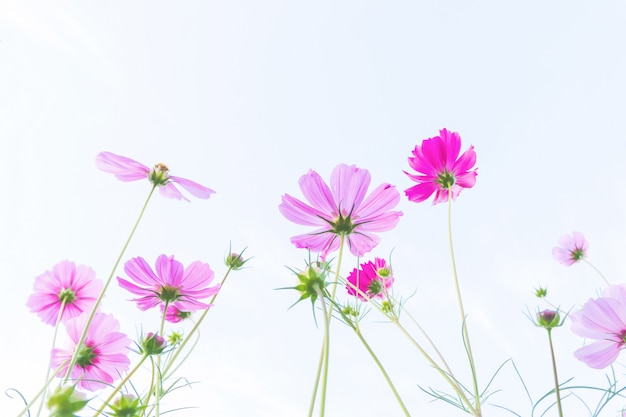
x,y
104,289
466,337
119,386
447,374
324,351
598,271
556,378
382,369
54,340
455,386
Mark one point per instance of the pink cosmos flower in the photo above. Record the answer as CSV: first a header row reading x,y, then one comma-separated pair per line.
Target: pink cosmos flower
x,y
103,356
126,169
172,284
342,209
573,249
440,169
373,279
72,286
602,319
174,314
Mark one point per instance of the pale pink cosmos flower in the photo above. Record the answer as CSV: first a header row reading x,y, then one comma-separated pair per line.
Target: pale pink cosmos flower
x,y
440,169
172,284
342,209
102,357
604,320
373,280
571,250
126,169
73,287
174,314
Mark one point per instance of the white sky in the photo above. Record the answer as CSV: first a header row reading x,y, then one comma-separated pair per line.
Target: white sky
x,y
244,97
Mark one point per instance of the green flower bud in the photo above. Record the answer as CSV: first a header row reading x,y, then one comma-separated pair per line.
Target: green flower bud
x,y
548,319
126,406
65,401
153,344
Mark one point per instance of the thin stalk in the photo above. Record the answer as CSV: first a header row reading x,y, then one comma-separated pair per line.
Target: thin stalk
x,y
324,351
445,376
382,369
119,386
322,367
466,337
54,340
597,270
556,378
104,289
432,344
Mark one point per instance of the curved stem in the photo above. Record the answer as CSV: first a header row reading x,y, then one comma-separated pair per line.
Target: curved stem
x,y
466,337
598,271
106,285
556,378
42,390
357,330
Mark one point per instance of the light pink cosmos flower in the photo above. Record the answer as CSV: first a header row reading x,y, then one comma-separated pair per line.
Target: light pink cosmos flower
x,y
602,319
126,169
103,356
440,169
72,286
174,314
172,284
573,249
373,279
342,208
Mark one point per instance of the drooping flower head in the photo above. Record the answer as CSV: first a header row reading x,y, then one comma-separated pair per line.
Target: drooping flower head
x,y
126,169
440,169
372,280
602,319
572,249
69,286
342,209
102,357
174,314
170,284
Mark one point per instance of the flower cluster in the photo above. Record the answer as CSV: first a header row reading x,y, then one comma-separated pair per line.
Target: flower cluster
x,y
99,353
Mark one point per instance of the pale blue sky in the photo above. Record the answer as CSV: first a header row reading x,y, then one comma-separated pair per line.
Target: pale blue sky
x,y
245,97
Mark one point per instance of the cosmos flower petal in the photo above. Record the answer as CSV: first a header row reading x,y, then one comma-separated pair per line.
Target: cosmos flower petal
x,y
124,169
317,193
169,190
349,185
602,319
360,244
598,355
300,212
421,192
192,187
382,199
571,249
319,241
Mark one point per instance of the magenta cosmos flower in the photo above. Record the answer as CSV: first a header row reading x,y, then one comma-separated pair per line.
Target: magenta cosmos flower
x,y
440,169
573,249
103,356
172,285
602,319
342,209
69,286
373,280
126,169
